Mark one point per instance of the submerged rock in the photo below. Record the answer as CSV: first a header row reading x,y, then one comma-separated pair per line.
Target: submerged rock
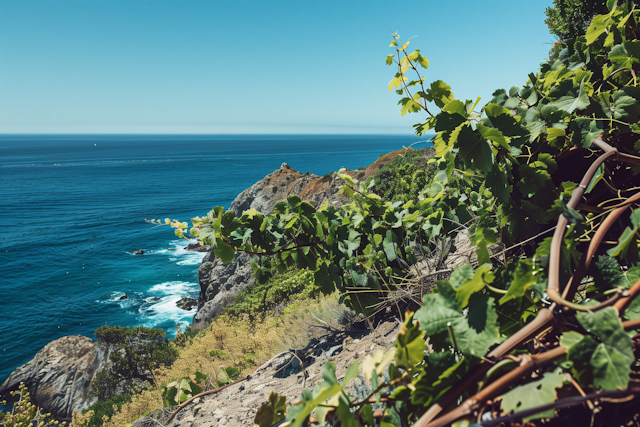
x,y
187,303
59,376
197,247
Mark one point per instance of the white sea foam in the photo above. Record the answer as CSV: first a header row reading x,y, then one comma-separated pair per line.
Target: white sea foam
x,y
176,288
179,255
166,311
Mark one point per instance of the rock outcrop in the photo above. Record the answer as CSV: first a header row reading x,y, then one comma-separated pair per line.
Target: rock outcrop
x,y
59,376
220,283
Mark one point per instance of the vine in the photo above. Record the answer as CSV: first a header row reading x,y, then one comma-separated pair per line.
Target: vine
x,y
540,316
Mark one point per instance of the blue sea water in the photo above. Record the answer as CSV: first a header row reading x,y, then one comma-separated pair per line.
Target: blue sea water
x,y
72,211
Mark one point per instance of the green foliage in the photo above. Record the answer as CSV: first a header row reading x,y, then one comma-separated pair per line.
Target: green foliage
x,y
181,390
140,351
105,408
24,413
570,18
504,174
534,394
271,412
121,334
279,289
404,177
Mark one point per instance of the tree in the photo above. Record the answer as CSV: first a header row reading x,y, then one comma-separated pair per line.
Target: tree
x,y
569,19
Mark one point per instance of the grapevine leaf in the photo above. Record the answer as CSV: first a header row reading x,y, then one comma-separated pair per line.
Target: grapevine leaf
x,y
572,215
481,276
498,183
585,131
410,345
474,151
534,394
612,357
461,275
533,178
596,178
570,103
327,277
272,411
223,251
483,319
494,135
607,273
596,28
523,278
570,338
627,246
351,373
389,245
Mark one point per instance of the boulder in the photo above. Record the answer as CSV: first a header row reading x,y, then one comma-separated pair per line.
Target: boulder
x,y
187,303
59,376
220,283
195,247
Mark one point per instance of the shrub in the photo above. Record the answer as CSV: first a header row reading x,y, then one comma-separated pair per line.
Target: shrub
x,y
280,289
141,351
404,177
24,413
105,408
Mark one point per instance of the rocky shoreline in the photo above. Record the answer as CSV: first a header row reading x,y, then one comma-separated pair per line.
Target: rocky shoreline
x,y
59,377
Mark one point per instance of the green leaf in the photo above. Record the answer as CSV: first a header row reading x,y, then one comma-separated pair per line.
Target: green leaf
x,y
474,150
570,338
523,278
223,251
351,373
389,245
596,178
439,93
627,247
534,177
494,135
272,411
570,103
572,215
389,59
585,130
613,355
481,275
410,346
596,28
534,394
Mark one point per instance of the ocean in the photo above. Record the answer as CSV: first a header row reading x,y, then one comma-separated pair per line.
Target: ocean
x,y
72,210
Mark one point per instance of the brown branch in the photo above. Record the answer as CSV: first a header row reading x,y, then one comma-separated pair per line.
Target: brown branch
x,y
179,408
495,388
623,302
559,404
237,249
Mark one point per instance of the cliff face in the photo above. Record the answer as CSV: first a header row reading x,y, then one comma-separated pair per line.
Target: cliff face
x,y
220,283
59,377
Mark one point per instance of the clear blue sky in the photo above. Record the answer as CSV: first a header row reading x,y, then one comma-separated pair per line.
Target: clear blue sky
x,y
248,66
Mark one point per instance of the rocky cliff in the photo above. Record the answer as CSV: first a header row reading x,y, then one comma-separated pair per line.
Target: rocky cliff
x,y
220,283
59,377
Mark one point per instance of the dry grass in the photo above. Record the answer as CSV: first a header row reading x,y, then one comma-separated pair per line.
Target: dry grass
x,y
245,345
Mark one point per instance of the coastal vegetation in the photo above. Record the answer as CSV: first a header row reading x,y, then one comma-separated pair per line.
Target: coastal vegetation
x,y
542,325
541,179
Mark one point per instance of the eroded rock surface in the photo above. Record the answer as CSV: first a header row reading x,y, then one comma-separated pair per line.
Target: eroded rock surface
x,y
59,376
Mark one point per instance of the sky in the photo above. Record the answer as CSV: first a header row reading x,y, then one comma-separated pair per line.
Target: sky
x,y
249,66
